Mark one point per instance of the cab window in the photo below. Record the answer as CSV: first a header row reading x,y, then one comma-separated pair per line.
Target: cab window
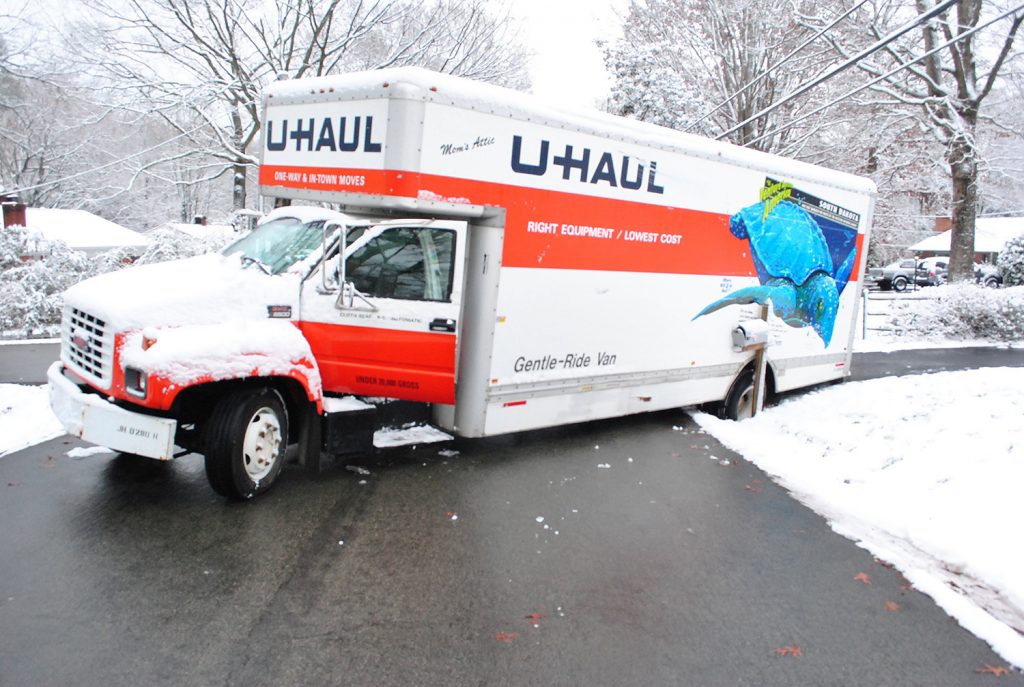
x,y
406,263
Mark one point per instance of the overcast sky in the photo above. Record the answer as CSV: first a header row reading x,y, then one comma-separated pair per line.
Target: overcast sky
x,y
568,68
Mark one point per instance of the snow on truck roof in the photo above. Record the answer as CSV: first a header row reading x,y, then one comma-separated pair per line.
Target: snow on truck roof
x,y
415,83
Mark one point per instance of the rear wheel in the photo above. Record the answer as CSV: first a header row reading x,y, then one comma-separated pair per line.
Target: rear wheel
x,y
246,439
739,404
899,284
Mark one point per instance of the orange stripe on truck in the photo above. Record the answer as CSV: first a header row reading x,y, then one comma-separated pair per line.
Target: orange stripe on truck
x,y
558,230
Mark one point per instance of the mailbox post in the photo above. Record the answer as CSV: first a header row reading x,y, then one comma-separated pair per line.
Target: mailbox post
x,y
752,335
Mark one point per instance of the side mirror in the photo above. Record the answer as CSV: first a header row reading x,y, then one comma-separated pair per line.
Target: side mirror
x,y
324,287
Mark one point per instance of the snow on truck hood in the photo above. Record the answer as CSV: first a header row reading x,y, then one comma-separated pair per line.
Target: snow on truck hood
x,y
207,289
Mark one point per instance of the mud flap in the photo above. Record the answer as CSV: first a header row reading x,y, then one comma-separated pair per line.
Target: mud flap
x,y
349,432
325,438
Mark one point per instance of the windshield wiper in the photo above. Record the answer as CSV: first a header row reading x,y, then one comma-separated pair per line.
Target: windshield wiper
x,y
249,260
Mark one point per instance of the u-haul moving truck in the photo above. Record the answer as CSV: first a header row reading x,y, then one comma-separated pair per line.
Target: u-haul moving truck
x,y
510,265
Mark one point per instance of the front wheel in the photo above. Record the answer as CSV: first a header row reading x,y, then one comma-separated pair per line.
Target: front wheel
x,y
246,439
899,284
739,404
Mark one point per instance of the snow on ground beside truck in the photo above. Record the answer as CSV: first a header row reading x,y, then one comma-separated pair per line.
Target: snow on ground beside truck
x,y
25,417
923,471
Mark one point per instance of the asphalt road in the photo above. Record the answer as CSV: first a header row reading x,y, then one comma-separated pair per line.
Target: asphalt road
x,y
25,362
666,567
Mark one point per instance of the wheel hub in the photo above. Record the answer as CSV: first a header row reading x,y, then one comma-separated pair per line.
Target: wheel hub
x,y
261,446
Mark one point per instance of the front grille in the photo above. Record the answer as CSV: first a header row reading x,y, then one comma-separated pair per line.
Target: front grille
x,y
87,346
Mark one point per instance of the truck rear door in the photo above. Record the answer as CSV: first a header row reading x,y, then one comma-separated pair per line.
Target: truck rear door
x,y
395,332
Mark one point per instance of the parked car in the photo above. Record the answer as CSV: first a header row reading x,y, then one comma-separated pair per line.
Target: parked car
x,y
931,271
988,275
896,276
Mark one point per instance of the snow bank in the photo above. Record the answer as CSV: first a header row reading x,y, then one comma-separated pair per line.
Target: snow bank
x,y
25,417
923,471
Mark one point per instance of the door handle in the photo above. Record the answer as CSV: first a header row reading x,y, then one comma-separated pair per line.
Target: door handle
x,y
442,324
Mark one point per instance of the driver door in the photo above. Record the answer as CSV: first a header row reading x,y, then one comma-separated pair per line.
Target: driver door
x,y
397,336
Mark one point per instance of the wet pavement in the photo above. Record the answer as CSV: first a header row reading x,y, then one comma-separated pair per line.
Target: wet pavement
x,y
629,552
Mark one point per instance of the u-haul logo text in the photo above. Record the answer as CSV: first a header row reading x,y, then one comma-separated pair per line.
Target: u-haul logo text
x,y
344,134
586,166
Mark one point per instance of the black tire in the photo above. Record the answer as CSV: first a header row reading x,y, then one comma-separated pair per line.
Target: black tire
x,y
900,284
739,402
991,283
245,441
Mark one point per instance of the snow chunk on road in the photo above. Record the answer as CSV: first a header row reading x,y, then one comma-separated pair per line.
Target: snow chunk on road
x,y
85,452
924,471
25,417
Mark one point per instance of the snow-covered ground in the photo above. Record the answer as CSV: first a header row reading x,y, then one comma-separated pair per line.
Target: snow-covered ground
x,y
924,471
25,417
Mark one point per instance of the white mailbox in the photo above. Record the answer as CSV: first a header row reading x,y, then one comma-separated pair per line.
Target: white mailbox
x,y
749,334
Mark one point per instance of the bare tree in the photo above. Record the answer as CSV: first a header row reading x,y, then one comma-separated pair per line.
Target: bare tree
x,y
950,72
702,67
207,61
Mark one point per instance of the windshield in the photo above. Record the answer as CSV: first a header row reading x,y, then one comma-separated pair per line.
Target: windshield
x,y
278,244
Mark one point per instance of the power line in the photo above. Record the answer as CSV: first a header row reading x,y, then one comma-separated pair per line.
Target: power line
x,y
899,68
932,13
763,75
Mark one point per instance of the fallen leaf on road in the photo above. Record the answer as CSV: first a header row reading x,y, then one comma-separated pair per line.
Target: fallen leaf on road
x,y
507,637
754,487
892,606
535,618
863,577
997,671
787,650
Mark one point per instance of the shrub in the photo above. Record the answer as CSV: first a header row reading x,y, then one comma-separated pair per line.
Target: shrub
x,y
964,311
1011,262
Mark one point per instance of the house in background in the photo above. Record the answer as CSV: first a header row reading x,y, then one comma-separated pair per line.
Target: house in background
x,y
80,230
990,235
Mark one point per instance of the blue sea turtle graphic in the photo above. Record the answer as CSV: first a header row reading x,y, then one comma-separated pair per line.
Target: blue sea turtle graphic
x,y
793,263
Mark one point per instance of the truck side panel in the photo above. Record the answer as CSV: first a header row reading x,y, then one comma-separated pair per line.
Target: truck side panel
x,y
628,254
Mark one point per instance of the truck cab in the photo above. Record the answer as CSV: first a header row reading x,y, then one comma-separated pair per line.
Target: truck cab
x,y
236,355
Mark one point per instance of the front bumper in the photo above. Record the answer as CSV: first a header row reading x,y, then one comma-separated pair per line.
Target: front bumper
x,y
98,421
